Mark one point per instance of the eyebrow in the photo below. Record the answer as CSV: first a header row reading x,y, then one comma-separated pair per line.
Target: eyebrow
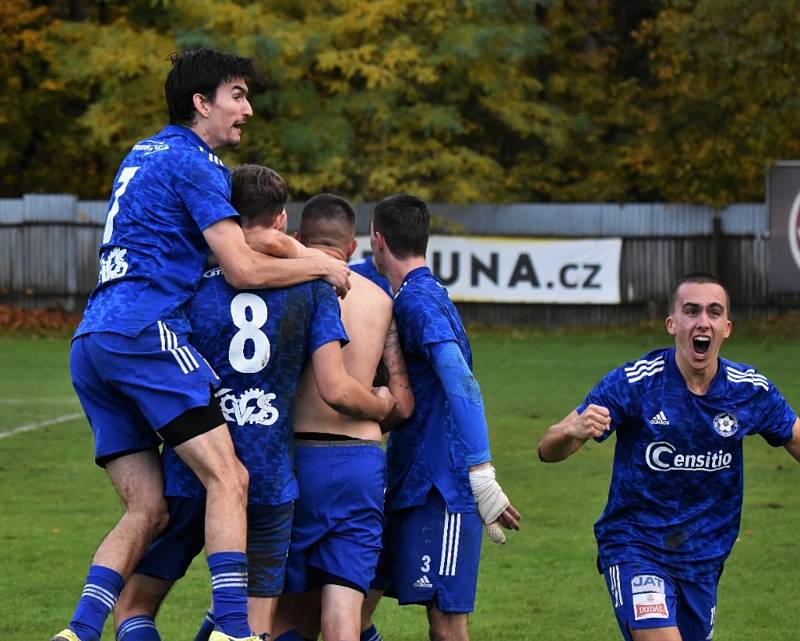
x,y
239,88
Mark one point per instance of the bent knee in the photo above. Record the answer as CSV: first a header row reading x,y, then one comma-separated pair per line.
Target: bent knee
x,y
151,517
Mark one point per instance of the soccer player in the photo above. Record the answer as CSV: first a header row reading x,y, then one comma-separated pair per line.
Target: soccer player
x,y
336,535
441,484
258,341
680,416
139,379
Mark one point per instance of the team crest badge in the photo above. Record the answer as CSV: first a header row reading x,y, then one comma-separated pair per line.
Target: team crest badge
x,y
794,230
726,424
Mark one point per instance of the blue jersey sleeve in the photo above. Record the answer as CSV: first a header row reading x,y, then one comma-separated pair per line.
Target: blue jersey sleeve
x,y
204,186
777,419
326,325
614,393
465,400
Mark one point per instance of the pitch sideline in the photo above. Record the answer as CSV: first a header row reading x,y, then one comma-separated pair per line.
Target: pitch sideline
x,y
29,427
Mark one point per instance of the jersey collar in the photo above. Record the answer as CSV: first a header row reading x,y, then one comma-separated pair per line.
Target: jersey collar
x,y
414,274
191,137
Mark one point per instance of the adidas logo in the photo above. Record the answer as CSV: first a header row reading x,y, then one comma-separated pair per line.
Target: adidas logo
x,y
423,582
659,419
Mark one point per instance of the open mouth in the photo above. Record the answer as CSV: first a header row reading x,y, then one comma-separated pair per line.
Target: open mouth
x,y
701,344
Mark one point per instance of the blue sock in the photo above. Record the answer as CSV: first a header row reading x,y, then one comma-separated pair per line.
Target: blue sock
x,y
206,628
138,628
229,592
100,593
290,635
371,634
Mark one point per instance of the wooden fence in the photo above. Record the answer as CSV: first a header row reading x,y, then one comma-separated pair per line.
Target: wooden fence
x,y
48,253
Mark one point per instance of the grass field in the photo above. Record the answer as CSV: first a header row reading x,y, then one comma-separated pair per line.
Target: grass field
x,y
542,585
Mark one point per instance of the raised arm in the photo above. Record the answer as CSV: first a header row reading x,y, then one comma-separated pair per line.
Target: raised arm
x,y
246,268
344,393
568,436
794,443
395,366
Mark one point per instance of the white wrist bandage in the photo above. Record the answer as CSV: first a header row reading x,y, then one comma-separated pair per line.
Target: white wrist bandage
x,y
491,501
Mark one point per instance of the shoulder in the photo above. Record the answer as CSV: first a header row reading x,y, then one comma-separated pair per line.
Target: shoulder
x,y
368,293
743,377
644,370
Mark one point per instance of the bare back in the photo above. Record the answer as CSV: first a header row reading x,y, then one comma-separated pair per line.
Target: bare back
x,y
366,316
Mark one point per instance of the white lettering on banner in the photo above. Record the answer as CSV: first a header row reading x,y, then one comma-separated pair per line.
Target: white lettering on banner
x,y
525,270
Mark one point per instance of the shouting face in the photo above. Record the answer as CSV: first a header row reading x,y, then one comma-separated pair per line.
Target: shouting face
x,y
699,322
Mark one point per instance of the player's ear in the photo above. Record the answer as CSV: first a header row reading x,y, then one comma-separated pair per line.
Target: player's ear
x,y
670,324
352,248
727,329
200,104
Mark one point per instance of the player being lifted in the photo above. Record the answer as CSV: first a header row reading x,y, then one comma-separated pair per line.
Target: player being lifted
x,y
258,341
680,416
336,536
138,377
441,484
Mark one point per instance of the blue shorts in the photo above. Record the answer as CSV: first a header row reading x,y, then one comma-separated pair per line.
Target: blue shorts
x,y
644,595
269,529
131,387
431,555
338,522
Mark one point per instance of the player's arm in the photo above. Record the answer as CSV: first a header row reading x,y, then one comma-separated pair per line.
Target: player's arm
x,y
794,443
273,242
245,268
344,393
466,403
568,436
394,364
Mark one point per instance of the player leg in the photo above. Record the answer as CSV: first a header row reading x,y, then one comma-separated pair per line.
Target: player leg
x,y
368,630
343,561
297,617
697,609
341,613
645,601
124,445
173,390
439,568
165,561
446,626
269,530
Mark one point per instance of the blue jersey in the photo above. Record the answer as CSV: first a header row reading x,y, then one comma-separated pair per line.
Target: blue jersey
x,y
258,342
168,190
426,450
676,487
367,269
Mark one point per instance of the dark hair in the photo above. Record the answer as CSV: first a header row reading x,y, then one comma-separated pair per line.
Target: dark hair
x,y
328,219
258,193
697,277
200,71
404,221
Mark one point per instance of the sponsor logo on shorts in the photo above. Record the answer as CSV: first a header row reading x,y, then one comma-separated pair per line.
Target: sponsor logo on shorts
x,y
663,456
423,583
650,605
647,583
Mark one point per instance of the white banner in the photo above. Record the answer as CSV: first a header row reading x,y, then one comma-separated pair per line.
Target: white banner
x,y
524,270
